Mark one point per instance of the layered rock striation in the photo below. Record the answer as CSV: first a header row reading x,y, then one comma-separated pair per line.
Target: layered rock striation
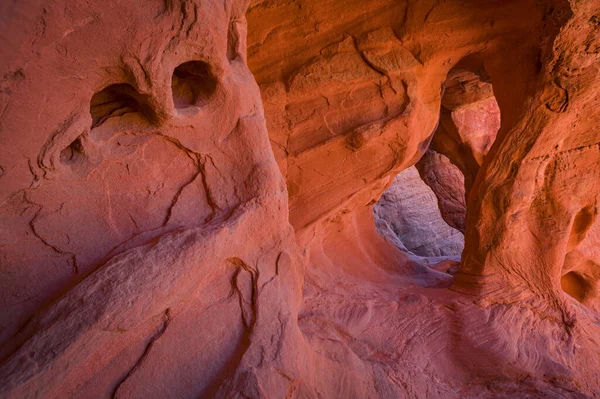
x,y
187,193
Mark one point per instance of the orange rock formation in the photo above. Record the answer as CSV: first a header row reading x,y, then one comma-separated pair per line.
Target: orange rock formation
x,y
198,199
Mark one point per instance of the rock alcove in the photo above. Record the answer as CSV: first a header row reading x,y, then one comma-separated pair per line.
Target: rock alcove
x,y
187,192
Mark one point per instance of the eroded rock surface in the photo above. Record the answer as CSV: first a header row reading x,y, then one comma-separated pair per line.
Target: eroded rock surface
x,y
143,214
410,208
396,69
447,182
161,235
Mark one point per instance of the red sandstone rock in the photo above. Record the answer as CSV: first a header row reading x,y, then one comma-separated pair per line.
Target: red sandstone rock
x,y
143,215
306,60
148,249
469,120
448,184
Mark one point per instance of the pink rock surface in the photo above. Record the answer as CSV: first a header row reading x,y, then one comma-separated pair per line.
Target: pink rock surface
x,y
164,235
448,184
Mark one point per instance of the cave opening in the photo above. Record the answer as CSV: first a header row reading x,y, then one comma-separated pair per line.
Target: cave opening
x,y
192,85
117,100
423,212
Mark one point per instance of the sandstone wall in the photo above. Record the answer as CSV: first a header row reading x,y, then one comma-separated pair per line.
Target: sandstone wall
x,y
164,232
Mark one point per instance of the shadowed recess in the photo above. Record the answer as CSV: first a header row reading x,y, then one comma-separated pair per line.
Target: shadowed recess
x,y
192,84
117,100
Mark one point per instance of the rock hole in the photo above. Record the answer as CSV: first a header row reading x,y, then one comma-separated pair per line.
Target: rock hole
x,y
575,285
117,100
425,208
192,85
582,222
469,120
73,153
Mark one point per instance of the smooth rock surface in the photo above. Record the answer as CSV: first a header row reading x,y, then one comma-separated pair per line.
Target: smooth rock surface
x,y
184,215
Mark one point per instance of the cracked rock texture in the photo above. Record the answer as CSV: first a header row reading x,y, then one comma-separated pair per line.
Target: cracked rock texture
x,y
187,192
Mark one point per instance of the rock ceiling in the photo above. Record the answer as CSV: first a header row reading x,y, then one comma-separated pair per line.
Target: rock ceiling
x,y
187,191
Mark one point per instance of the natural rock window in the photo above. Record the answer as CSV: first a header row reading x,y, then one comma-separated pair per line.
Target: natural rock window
x,y
425,207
